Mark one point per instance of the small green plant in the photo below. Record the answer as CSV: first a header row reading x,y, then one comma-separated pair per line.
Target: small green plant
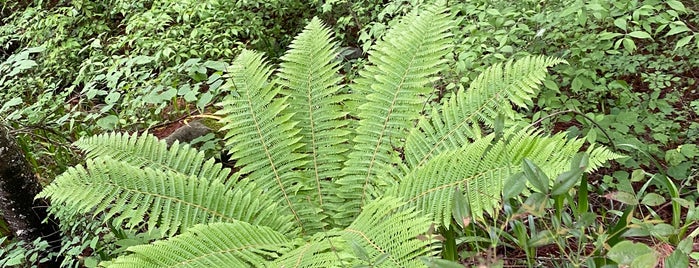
x,y
13,254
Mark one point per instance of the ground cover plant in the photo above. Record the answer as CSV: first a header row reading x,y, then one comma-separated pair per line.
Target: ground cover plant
x,y
72,69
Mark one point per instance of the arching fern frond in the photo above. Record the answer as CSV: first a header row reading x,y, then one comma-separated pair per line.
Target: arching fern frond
x,y
387,230
263,139
323,250
599,155
393,88
493,92
167,200
146,150
309,74
237,244
479,170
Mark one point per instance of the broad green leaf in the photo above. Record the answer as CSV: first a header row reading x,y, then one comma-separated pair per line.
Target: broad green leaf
x,y
169,94
686,245
190,96
648,260
108,122
629,44
535,204
545,237
653,199
677,259
586,219
640,35
535,176
36,49
621,23
689,150
16,260
215,65
462,208
13,102
676,5
440,263
515,185
626,252
565,181
677,29
204,99
112,97
25,64
683,202
684,41
638,175
141,59
623,197
608,35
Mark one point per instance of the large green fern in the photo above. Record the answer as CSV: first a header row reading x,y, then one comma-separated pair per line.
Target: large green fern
x,y
310,189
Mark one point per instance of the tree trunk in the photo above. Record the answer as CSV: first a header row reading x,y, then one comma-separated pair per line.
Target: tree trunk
x,y
18,186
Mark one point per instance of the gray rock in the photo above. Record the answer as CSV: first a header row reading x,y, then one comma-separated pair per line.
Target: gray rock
x,y
188,133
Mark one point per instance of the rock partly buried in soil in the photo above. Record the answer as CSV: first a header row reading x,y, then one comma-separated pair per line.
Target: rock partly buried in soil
x,y
188,133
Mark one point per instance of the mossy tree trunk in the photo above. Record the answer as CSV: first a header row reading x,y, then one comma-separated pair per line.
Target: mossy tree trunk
x,y
18,186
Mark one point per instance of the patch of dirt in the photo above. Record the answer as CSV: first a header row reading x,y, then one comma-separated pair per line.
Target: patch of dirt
x,y
166,130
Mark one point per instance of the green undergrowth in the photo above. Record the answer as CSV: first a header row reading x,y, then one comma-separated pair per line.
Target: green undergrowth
x,y
70,69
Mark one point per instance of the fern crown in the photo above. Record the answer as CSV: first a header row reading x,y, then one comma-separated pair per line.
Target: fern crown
x,y
327,174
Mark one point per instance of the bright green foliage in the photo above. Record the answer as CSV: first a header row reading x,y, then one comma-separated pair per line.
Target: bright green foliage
x,y
321,251
330,181
384,235
479,169
392,89
456,122
148,151
262,140
236,244
309,74
171,201
384,230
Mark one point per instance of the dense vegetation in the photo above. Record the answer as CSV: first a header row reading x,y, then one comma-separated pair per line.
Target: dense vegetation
x,y
74,69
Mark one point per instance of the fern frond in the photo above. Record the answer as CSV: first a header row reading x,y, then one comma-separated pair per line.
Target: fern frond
x,y
309,73
479,169
599,155
385,227
493,92
394,87
237,244
384,230
146,150
323,250
168,200
263,139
